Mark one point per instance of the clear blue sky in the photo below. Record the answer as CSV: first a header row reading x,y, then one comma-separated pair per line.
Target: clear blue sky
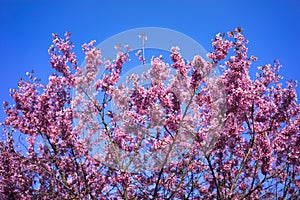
x,y
271,26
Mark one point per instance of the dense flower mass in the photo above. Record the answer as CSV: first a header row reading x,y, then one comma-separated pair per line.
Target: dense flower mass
x,y
178,131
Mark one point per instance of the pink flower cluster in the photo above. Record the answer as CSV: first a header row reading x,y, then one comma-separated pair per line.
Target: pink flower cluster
x,y
188,135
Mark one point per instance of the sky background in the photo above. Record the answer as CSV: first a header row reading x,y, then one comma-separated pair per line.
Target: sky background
x,y
271,26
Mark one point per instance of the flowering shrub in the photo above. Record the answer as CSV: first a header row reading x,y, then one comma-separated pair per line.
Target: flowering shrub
x,y
183,135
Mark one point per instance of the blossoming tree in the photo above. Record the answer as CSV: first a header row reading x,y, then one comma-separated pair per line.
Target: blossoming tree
x,y
185,135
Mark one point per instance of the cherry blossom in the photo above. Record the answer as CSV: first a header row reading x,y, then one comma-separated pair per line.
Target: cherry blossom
x,y
191,134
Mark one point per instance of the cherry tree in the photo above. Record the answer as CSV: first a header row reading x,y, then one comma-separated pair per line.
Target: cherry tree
x,y
177,131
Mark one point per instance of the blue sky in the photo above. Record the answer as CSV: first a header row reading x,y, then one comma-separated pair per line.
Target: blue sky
x,y
272,27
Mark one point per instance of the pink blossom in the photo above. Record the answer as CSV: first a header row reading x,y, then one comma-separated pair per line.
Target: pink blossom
x,y
190,135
